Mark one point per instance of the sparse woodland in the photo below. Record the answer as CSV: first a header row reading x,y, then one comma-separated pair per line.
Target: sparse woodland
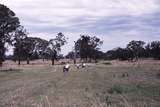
x,y
121,77
86,47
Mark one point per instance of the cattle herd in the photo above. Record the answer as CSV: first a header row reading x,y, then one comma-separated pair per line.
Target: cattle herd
x,y
66,67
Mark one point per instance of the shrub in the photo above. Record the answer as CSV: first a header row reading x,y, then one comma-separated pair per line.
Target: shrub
x,y
107,63
116,89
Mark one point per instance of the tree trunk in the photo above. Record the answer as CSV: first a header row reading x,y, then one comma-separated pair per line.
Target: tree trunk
x,y
53,61
86,60
27,60
96,60
90,60
2,52
19,62
1,62
74,61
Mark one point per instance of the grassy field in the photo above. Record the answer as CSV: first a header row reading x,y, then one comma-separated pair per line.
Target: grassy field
x,y
105,84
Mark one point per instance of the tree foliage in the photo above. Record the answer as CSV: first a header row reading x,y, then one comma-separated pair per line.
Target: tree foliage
x,y
19,43
153,49
29,48
8,24
135,48
88,46
54,47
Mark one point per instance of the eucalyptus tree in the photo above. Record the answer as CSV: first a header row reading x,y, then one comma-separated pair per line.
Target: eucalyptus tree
x,y
54,47
135,49
29,48
88,46
153,49
19,44
40,47
8,24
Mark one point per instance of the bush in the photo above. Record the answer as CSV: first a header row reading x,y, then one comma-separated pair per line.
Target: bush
x,y
119,89
107,63
116,89
158,75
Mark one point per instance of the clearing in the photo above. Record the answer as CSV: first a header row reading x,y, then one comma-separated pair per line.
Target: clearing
x,y
105,84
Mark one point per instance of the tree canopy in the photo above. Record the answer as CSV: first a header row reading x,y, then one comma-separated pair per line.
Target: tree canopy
x,y
88,46
54,47
8,24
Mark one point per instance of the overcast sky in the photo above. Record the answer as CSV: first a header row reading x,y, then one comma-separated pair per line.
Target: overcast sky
x,y
115,21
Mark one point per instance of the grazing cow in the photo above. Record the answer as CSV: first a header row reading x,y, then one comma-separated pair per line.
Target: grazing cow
x,y
83,65
66,68
78,66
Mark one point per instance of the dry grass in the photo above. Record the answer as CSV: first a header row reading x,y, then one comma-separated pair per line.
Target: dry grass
x,y
106,84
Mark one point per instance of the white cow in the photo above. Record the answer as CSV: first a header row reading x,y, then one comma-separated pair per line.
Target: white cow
x,y
83,65
66,68
78,66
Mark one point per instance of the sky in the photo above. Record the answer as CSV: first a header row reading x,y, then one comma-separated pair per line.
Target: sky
x,y
116,22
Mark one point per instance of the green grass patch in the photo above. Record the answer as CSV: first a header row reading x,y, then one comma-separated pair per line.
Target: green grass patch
x,y
10,70
150,91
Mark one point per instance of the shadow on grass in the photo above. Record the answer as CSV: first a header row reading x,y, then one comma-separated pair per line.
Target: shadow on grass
x,y
10,70
107,63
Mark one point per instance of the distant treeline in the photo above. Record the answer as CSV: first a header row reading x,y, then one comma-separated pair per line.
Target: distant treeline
x,y
27,48
133,51
32,48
